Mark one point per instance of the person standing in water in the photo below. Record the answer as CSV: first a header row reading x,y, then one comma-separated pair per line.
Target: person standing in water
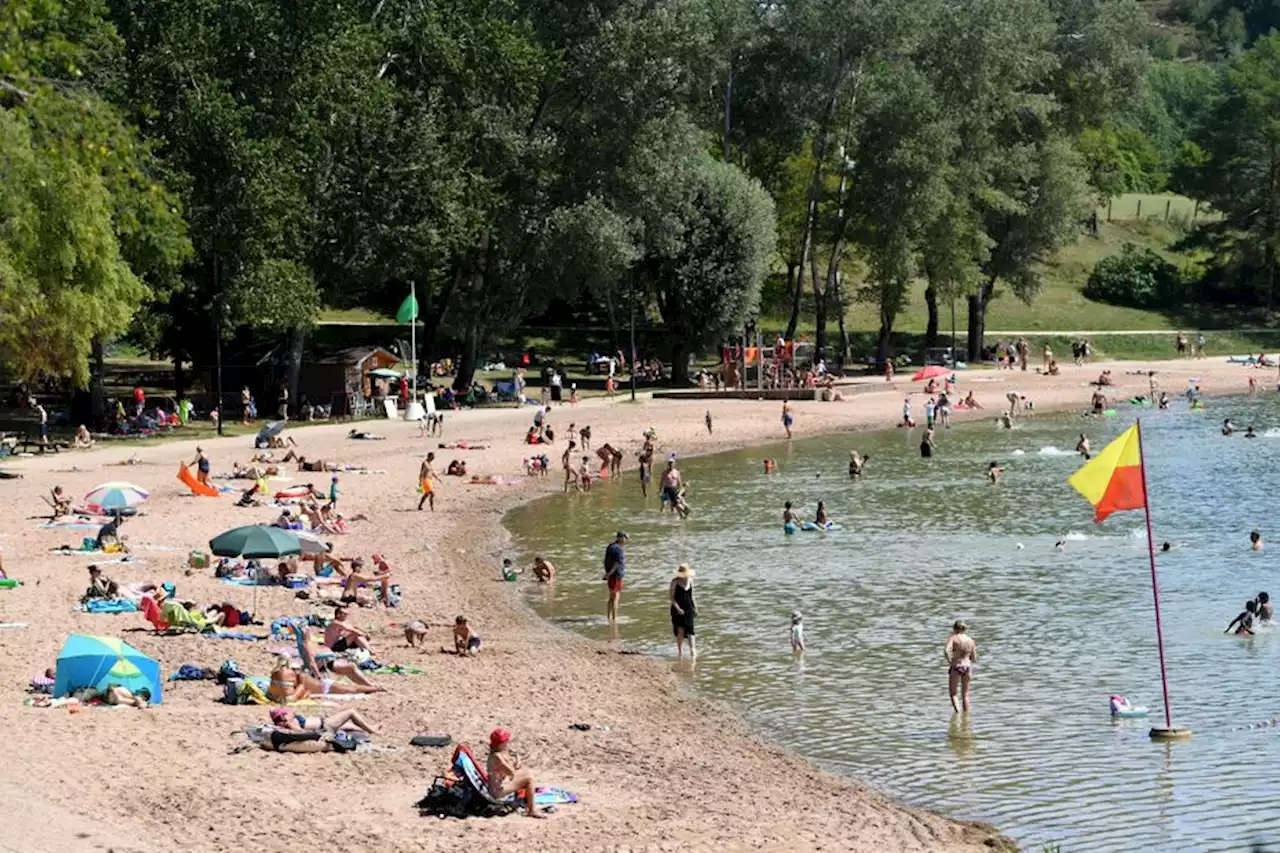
x,y
670,485
994,472
1243,624
683,608
961,653
1255,541
1265,609
1082,447
787,419
820,517
857,465
788,516
926,444
615,570
646,466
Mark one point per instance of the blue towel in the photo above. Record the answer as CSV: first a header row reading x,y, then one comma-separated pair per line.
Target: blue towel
x,y
114,605
233,635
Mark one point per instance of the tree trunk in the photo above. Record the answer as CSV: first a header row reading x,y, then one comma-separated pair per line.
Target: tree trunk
x,y
179,378
883,346
613,318
844,333
679,362
468,363
97,382
978,320
931,330
795,287
293,365
819,310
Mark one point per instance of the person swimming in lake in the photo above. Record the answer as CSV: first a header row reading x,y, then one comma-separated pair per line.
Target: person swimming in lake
x,y
1082,447
788,516
1249,433
926,444
1264,608
770,465
1228,428
961,653
857,465
1243,624
1164,400
1255,541
994,472
820,517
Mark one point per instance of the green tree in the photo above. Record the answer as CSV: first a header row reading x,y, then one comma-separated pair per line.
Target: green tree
x,y
1239,172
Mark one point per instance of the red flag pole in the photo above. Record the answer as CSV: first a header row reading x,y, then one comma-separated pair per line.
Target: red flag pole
x,y
1168,731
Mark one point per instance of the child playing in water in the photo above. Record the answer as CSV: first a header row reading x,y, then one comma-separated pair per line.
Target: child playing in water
x,y
1255,541
1244,621
1264,607
797,632
994,472
584,475
509,571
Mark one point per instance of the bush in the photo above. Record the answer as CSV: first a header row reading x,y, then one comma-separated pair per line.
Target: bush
x,y
1137,278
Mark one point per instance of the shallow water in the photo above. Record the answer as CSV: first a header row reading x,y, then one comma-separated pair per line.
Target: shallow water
x,y
926,542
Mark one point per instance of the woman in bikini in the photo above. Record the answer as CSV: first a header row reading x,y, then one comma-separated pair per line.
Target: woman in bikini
x,y
961,653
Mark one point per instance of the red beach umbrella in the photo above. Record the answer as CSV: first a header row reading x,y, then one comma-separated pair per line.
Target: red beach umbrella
x,y
931,372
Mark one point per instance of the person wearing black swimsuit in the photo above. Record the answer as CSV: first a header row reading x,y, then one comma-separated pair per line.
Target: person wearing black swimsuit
x,y
683,609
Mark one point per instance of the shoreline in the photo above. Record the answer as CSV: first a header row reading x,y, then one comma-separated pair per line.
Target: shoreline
x,y
673,770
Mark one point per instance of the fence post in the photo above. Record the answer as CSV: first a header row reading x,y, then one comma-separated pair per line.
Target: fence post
x,y
1167,203
1139,216
1109,209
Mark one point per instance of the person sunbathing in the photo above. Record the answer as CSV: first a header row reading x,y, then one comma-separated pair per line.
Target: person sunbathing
x,y
357,435
462,445
316,667
100,586
339,522
83,440
340,635
506,776
117,694
345,720
316,465
60,503
380,576
255,470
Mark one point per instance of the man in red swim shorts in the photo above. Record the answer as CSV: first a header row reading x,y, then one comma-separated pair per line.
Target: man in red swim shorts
x,y
615,569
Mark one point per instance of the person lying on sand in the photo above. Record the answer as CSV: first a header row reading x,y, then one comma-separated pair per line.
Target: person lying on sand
x,y
348,719
316,465
462,445
253,471
357,435
317,671
505,775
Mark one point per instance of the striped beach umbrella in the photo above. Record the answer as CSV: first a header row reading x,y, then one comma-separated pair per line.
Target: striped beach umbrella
x,y
115,497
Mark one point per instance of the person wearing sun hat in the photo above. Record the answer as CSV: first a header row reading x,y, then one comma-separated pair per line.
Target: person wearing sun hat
x,y
683,609
615,570
506,776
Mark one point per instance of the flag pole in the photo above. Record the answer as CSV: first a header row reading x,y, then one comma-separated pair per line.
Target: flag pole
x,y
1168,732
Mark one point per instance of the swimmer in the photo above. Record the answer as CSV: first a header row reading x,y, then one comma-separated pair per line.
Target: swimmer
x,y
1243,624
1255,541
1005,420
1082,447
1060,546
820,517
788,517
961,653
1265,609
1249,433
994,472
1228,428
797,632
857,465
770,465
1166,548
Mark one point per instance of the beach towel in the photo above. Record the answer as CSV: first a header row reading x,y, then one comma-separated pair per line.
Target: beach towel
x,y
70,525
233,635
177,615
151,612
110,605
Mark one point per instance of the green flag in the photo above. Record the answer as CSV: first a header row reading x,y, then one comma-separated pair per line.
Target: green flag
x,y
408,310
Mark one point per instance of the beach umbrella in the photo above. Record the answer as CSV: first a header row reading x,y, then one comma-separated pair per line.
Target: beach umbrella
x,y
115,497
384,373
930,372
270,431
100,662
255,541
311,544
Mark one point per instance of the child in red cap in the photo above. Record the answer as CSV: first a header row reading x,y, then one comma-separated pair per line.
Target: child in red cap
x,y
505,774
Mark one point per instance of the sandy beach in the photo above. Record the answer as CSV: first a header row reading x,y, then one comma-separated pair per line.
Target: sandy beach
x,y
661,769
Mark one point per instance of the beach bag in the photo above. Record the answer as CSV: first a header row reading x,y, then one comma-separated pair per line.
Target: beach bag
x,y
229,670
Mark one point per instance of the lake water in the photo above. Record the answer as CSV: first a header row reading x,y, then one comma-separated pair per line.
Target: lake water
x,y
927,541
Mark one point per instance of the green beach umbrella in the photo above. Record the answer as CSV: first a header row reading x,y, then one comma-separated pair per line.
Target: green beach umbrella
x,y
255,541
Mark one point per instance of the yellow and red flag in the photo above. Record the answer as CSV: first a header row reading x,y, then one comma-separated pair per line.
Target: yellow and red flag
x,y
1112,480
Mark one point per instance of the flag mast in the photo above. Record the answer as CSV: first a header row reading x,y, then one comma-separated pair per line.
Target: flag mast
x,y
1168,732
413,348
